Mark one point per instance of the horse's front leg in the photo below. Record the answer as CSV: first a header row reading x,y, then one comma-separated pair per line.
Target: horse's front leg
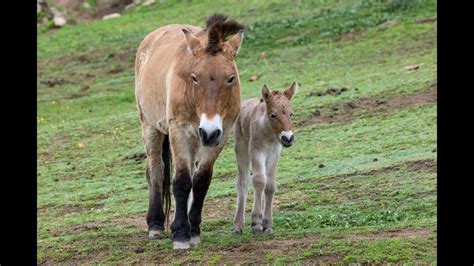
x,y
201,181
183,147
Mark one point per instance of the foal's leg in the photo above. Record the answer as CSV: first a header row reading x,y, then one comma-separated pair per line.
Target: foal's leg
x,y
243,160
259,179
183,149
155,218
270,186
201,181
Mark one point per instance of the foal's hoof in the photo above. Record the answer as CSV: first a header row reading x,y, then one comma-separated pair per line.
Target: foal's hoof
x,y
181,245
257,229
237,231
195,240
155,234
268,230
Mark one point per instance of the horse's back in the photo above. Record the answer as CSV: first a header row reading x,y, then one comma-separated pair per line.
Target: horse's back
x,y
155,58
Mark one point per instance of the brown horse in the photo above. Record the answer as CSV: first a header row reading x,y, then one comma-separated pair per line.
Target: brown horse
x,y
187,90
262,128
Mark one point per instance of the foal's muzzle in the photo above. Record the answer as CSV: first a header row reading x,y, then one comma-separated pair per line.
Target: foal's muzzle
x,y
287,138
211,138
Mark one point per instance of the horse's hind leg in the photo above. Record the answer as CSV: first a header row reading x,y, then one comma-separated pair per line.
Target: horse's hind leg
x,y
243,161
155,218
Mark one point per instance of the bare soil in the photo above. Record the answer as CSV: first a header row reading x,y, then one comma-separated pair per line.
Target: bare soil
x,y
346,112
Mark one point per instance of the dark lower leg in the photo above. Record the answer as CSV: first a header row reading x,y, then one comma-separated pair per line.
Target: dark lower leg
x,y
155,217
201,182
182,185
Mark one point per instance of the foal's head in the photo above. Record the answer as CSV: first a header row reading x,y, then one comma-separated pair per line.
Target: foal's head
x,y
279,112
213,75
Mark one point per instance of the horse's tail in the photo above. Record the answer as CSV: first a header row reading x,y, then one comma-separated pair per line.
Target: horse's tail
x,y
166,197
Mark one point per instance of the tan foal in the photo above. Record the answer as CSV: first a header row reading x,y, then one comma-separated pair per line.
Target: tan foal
x,y
262,128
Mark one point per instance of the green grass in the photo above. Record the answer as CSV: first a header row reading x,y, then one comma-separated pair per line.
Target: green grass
x,y
342,189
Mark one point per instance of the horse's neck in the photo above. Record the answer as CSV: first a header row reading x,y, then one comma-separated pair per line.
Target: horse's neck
x,y
264,127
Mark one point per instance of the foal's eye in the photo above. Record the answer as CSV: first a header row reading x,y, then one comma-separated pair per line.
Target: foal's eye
x,y
231,80
272,115
291,114
194,79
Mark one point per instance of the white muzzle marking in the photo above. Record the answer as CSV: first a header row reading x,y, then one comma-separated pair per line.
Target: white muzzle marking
x,y
287,134
210,125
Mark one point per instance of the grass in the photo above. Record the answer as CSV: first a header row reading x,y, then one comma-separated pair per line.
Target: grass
x,y
353,188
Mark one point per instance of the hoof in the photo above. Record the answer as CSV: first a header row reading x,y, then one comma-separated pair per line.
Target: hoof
x,y
237,231
178,245
155,234
195,240
257,229
268,230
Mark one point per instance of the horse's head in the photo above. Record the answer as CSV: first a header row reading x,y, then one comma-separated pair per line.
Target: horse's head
x,y
214,76
279,112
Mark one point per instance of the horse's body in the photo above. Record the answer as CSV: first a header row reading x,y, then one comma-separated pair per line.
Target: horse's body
x,y
261,129
187,90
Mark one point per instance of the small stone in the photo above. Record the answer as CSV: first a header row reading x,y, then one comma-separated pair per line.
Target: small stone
x,y
148,2
127,7
59,21
111,16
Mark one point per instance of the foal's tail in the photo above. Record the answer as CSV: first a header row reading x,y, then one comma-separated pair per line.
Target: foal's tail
x,y
166,197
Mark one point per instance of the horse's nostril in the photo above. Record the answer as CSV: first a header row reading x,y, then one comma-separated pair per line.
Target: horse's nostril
x,y
202,133
285,138
292,138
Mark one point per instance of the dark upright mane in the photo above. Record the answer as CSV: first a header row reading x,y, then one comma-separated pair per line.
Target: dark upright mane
x,y
218,30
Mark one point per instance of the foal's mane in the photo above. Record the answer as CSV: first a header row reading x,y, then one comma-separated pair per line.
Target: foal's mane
x,y
219,28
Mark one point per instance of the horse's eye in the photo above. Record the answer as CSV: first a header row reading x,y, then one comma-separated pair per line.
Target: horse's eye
x,y
272,115
291,114
231,80
194,78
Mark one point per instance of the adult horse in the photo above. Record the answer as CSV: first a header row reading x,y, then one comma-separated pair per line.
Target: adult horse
x,y
187,90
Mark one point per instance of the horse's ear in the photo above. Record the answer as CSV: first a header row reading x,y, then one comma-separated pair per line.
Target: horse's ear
x,y
193,43
265,92
290,92
236,41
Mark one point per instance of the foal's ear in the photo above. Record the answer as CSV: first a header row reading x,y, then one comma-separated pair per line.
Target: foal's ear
x,y
235,42
194,45
290,92
265,92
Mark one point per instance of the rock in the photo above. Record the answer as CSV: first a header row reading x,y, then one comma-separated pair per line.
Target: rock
x,y
148,2
59,21
86,5
412,67
111,16
127,7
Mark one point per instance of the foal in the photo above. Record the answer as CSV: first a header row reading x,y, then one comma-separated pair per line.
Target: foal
x,y
262,127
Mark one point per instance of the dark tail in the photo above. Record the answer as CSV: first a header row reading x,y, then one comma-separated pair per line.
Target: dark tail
x,y
166,200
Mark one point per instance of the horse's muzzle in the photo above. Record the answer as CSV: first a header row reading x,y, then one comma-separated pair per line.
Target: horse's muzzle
x,y
210,139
